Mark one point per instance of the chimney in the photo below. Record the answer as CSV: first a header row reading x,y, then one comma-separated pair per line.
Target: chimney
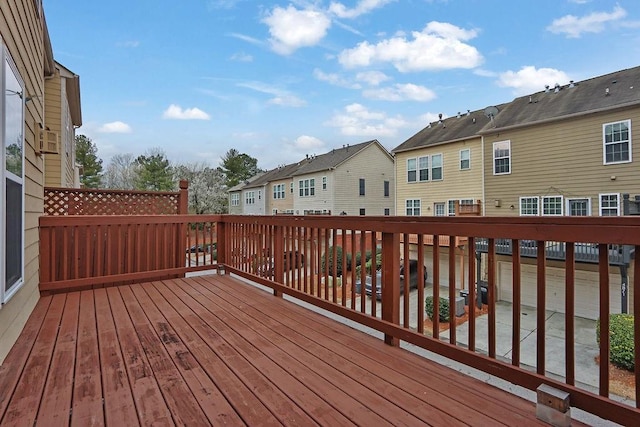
x,y
458,116
571,83
546,88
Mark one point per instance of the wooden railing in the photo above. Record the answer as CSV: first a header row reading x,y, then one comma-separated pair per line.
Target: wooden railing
x,y
294,255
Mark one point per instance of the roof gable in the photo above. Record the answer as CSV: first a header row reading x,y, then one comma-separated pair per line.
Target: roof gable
x,y
334,158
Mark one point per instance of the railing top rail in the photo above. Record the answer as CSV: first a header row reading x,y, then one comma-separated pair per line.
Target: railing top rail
x,y
85,220
110,191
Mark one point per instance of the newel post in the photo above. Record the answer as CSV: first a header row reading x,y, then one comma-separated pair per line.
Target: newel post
x,y
221,241
278,257
183,198
391,280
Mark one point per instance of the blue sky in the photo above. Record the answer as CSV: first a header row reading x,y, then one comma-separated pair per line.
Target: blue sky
x,y
279,80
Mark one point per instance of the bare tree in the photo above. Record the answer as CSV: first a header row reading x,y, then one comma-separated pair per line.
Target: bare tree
x,y
121,172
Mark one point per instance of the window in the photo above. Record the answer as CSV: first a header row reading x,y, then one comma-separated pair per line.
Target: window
x,y
413,207
436,167
552,205
250,197
387,211
438,209
324,182
579,207
278,191
386,189
465,159
609,204
529,206
362,186
617,142
291,186
11,178
423,168
502,157
307,187
362,211
451,205
235,199
411,170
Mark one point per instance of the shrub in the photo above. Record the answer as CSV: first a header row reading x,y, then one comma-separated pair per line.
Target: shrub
x,y
620,340
329,264
443,308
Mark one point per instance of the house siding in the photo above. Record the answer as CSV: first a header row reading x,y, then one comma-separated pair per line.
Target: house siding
x,y
456,184
280,205
53,176
21,31
375,166
322,201
257,208
563,158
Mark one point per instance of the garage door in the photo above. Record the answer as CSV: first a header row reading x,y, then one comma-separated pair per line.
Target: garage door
x,y
586,289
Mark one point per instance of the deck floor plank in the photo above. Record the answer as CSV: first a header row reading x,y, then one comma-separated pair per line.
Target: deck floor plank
x,y
150,404
214,350
14,363
210,401
349,389
87,408
25,401
56,399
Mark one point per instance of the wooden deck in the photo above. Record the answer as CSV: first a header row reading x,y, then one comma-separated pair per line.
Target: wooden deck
x,y
212,350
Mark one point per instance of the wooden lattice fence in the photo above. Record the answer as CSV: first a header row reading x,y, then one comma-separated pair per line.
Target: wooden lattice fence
x,y
86,201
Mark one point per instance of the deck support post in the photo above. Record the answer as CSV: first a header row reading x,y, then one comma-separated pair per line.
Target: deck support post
x,y
391,282
553,406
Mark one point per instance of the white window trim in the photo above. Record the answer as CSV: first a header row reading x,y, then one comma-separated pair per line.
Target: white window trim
x,y
427,168
541,205
439,204
415,170
460,159
413,207
604,145
609,194
493,156
324,183
441,167
529,197
567,204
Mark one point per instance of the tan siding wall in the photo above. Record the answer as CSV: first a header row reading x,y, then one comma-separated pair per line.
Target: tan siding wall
x,y
280,205
21,33
375,166
456,183
563,158
53,162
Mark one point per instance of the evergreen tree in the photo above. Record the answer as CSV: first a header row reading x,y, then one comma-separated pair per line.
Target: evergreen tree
x,y
154,172
238,167
87,158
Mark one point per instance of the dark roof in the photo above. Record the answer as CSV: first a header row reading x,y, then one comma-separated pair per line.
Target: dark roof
x,y
448,130
588,96
333,158
281,172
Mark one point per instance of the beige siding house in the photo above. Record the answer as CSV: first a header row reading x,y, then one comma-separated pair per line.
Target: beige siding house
x,y
352,180
63,116
568,150
26,59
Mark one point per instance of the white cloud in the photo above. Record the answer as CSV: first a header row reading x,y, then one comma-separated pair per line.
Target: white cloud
x,y
357,120
241,57
293,28
334,79
280,97
246,38
306,142
373,78
115,127
439,46
363,6
573,26
175,112
530,80
401,92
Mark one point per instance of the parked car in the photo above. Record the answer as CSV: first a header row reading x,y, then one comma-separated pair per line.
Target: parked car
x,y
208,247
292,259
413,280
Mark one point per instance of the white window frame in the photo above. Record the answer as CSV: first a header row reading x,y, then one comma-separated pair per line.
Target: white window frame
x,y
307,187
413,206
467,159
279,191
618,201
423,166
250,198
546,199
605,144
451,207
496,146
324,183
531,199
413,169
434,168
235,199
7,65
439,209
569,200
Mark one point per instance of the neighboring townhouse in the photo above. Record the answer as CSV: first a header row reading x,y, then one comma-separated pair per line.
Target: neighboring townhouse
x,y
236,203
26,59
63,116
281,195
352,180
254,194
440,168
567,150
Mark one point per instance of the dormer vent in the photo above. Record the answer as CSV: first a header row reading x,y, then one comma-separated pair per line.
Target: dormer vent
x,y
571,83
546,88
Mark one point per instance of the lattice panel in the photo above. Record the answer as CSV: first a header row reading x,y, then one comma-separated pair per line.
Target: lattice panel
x,y
74,201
